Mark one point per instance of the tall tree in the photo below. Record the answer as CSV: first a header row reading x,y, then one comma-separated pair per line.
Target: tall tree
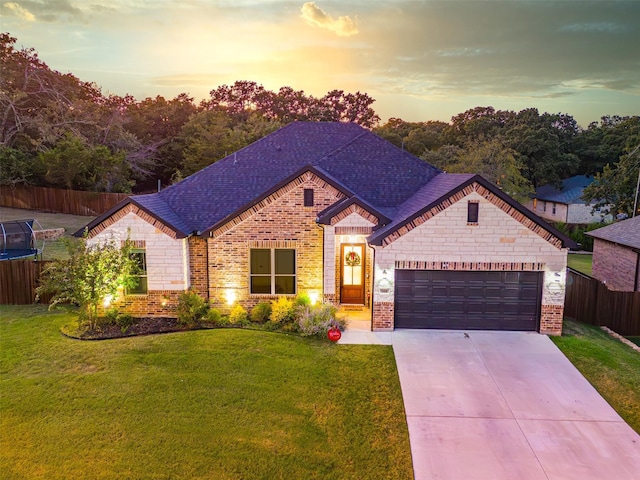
x,y
614,190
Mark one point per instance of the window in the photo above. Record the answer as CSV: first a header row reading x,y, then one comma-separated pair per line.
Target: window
x,y
273,271
544,206
472,212
139,257
308,197
553,209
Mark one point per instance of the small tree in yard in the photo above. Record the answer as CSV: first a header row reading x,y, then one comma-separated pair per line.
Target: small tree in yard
x,y
91,274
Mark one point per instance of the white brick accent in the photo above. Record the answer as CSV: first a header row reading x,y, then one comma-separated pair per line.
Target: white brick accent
x,y
354,220
497,238
167,259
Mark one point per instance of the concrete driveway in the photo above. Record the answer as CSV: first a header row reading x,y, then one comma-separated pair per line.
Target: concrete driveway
x,y
506,405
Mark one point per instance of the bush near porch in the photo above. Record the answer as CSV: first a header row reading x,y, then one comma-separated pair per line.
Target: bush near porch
x,y
224,404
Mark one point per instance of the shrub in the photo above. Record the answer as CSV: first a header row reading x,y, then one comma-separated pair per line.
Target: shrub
x,y
261,312
124,321
282,311
191,308
238,315
111,315
318,320
302,300
214,316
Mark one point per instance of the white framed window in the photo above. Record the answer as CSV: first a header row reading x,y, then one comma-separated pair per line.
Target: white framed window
x,y
139,256
272,271
553,209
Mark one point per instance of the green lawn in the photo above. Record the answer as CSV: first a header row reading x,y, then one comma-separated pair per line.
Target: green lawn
x,y
580,262
221,404
612,367
53,248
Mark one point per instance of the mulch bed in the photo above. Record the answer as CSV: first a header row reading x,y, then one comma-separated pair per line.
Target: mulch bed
x,y
141,326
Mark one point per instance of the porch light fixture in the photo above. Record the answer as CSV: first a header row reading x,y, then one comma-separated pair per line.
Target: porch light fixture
x,y
313,298
230,295
165,301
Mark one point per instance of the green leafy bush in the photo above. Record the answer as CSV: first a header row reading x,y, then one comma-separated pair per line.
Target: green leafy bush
x,y
282,311
238,316
261,312
124,321
302,300
214,317
191,308
318,320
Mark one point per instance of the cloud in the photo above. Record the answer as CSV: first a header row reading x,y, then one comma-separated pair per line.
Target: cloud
x,y
46,11
13,9
600,27
314,15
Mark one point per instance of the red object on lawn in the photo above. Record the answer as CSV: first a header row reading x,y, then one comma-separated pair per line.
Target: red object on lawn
x,y
334,334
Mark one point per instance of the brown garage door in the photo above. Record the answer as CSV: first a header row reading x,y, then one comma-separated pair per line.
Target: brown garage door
x,y
467,300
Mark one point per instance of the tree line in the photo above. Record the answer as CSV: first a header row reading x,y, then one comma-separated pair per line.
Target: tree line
x,y
57,130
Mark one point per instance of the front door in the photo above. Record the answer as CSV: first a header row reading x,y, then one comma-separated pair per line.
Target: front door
x,y
352,277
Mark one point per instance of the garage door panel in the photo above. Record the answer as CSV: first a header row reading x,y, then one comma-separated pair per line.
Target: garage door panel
x,y
468,300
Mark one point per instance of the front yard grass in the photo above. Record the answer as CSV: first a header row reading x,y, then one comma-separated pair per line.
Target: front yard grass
x,y
580,262
223,404
612,367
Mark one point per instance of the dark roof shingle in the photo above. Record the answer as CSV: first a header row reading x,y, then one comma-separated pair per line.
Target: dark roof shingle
x,y
626,232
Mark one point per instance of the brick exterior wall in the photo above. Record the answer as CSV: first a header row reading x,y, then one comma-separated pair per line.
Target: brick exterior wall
x,y
382,316
551,319
280,221
615,265
198,265
500,241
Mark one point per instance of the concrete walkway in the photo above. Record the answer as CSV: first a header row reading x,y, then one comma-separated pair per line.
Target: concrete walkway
x,y
504,405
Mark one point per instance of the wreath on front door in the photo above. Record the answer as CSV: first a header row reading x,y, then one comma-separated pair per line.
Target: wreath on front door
x,y
352,259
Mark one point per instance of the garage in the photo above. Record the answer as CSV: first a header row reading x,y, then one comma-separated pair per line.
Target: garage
x,y
468,300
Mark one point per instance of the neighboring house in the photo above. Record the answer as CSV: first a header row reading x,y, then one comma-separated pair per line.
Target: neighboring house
x,y
338,213
616,255
566,204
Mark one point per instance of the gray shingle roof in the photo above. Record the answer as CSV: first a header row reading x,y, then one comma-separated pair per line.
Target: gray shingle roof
x,y
626,232
571,191
370,171
374,169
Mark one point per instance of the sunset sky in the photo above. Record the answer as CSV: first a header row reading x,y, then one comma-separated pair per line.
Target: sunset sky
x,y
421,60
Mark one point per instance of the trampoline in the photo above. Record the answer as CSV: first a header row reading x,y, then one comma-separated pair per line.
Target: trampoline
x,y
18,240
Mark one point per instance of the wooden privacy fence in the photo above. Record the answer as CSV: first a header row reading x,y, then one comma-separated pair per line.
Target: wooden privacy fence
x,y
56,200
18,282
590,301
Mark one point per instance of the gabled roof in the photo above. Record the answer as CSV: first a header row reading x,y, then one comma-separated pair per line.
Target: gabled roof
x,y
375,170
570,192
626,232
444,186
151,204
324,217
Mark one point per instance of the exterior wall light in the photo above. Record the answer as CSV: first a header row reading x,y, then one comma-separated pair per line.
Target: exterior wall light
x,y
313,298
107,301
230,296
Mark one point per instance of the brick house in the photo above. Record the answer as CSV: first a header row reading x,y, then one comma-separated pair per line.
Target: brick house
x,y
565,204
616,255
336,212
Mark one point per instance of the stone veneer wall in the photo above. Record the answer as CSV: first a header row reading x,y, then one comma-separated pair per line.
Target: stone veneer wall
x,y
279,221
167,263
615,265
444,240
